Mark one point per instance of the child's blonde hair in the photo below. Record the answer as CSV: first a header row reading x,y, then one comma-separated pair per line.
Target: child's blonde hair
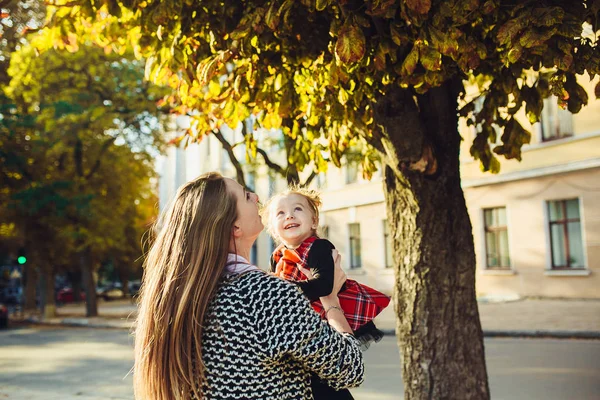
x,y
312,197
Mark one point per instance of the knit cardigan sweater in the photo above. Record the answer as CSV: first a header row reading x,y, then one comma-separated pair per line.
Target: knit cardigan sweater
x,y
262,339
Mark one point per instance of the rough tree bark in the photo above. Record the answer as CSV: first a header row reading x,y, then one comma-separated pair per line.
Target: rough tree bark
x,y
31,278
438,327
49,307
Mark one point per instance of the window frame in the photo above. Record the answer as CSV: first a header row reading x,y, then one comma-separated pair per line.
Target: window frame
x,y
565,231
551,106
496,229
351,243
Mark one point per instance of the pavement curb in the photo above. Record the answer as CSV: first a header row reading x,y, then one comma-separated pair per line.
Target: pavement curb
x,y
85,322
544,334
82,322
528,333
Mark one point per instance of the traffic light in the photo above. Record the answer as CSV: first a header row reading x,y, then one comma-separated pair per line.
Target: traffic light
x,y
21,258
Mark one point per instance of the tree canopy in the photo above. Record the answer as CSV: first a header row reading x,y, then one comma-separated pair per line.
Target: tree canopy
x,y
78,131
317,68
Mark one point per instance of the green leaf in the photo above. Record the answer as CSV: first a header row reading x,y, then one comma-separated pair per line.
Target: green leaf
x,y
350,46
431,59
419,6
515,54
322,4
379,59
272,16
398,36
410,62
509,31
513,139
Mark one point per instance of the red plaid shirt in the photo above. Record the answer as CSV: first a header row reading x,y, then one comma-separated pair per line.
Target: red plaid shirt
x,y
359,302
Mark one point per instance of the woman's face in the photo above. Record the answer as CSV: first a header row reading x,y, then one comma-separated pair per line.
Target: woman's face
x,y
249,221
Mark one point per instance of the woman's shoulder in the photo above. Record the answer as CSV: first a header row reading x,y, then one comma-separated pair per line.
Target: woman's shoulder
x,y
258,281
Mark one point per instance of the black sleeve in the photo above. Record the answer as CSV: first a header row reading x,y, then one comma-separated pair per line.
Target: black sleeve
x,y
321,265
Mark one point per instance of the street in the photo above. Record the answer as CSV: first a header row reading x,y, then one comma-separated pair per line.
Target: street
x,y
91,364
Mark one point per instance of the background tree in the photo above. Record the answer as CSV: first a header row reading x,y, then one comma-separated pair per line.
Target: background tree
x,y
390,74
96,124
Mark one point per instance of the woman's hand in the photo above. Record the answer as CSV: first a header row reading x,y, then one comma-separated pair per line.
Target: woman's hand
x,y
333,312
339,277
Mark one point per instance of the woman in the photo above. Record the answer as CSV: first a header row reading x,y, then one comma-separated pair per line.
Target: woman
x,y
212,326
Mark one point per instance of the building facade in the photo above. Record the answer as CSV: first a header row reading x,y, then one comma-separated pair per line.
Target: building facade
x,y
536,224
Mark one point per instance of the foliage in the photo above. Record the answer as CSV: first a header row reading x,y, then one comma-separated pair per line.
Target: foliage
x,y
77,145
318,68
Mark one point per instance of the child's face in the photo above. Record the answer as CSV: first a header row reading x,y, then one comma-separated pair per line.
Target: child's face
x,y
292,219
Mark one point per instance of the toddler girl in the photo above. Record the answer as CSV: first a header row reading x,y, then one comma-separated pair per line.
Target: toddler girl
x,y
292,218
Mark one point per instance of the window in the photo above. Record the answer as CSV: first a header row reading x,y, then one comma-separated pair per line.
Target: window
x,y
321,180
556,122
387,240
496,238
351,172
566,240
354,230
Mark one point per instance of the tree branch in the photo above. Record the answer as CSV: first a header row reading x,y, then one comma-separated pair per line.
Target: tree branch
x,y
275,167
238,167
107,143
310,178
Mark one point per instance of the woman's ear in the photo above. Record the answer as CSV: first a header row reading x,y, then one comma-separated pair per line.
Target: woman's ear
x,y
236,231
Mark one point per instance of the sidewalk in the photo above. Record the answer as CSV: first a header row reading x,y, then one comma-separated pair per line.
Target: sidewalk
x,y
557,318
519,318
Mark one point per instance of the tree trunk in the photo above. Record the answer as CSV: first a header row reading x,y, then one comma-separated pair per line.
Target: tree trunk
x,y
438,327
75,280
124,278
49,309
89,284
31,278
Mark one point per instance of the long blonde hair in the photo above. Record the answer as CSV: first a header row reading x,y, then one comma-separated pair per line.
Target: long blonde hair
x,y
181,273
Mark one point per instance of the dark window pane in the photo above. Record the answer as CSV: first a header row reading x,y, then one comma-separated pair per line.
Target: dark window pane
x,y
559,253
575,245
555,210
355,256
503,248
573,209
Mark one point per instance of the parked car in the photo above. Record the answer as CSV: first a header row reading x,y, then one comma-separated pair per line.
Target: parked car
x,y
66,295
111,292
134,288
12,295
3,316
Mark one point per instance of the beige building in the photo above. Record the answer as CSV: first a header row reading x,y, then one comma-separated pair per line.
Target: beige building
x,y
536,224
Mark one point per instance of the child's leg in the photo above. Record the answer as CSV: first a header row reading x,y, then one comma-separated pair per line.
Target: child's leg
x,y
322,391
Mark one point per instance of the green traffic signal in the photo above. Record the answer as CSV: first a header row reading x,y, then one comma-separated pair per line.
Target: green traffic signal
x,y
22,260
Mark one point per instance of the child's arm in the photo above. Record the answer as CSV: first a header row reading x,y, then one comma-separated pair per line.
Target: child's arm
x,y
320,262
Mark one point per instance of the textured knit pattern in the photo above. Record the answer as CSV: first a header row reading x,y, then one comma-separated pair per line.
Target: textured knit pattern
x,y
262,339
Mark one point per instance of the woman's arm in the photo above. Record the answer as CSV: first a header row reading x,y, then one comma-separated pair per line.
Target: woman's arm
x,y
287,325
333,311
